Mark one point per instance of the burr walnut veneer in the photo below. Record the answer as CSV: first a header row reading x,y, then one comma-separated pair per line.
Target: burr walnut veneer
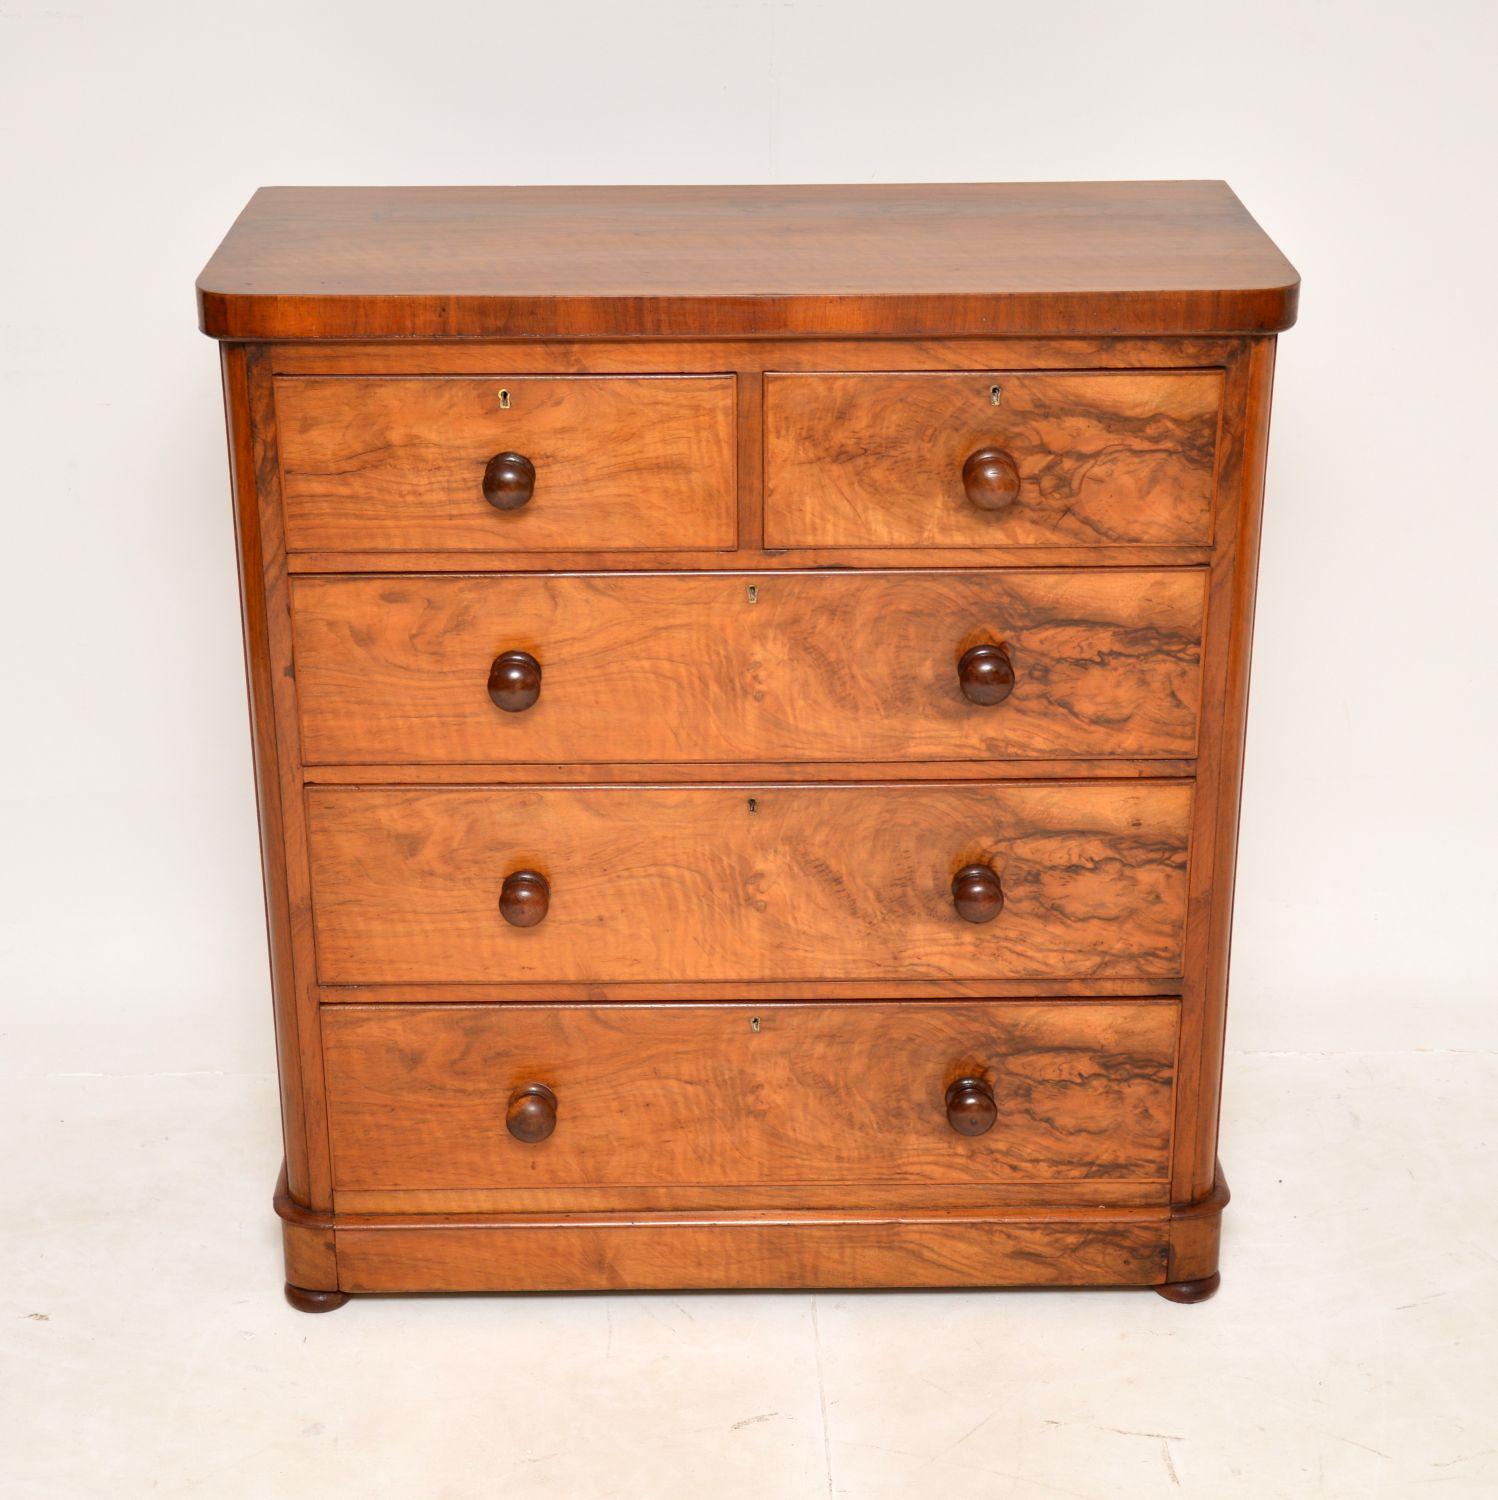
x,y
748,690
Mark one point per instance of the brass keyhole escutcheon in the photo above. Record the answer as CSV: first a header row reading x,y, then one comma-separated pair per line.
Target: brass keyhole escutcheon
x,y
504,399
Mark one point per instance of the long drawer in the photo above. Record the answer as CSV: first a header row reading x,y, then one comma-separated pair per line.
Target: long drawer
x,y
672,1101
507,464
699,883
957,666
983,459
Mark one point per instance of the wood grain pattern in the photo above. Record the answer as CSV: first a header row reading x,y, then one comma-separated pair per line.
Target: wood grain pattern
x,y
748,882
877,460
1196,1234
827,1197
651,262
671,991
682,668
518,773
736,560
677,1097
278,772
749,358
317,1191
704,857
1214,838
257,588
707,355
620,462
1072,1248
306,1243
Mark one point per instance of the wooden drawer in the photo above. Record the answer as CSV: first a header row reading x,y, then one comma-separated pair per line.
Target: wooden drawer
x,y
677,1103
748,882
726,667
398,464
1100,458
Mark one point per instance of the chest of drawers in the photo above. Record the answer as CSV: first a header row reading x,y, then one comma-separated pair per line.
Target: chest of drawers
x,y
748,691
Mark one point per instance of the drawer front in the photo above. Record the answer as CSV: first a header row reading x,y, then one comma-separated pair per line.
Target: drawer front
x,y
748,882
779,667
780,1095
619,462
879,460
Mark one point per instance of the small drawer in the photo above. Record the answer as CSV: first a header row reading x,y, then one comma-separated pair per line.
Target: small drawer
x,y
507,464
750,882
671,1102
991,459
724,667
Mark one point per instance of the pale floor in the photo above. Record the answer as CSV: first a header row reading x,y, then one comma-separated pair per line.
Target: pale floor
x,y
145,1348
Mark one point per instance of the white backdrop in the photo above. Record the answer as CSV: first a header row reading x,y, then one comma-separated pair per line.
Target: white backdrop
x,y
1362,137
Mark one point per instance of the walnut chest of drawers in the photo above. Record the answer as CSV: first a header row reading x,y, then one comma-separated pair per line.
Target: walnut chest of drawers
x,y
748,690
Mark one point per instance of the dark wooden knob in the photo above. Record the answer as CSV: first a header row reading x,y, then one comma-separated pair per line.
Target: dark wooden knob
x,y
524,898
970,1107
990,479
986,674
515,681
532,1113
509,480
977,894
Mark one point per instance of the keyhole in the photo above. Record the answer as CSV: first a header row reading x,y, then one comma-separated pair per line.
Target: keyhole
x,y
754,1023
504,399
994,393
754,593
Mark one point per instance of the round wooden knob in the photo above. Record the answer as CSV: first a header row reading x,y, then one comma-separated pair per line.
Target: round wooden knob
x,y
977,894
509,481
514,681
986,674
524,898
990,479
970,1107
532,1113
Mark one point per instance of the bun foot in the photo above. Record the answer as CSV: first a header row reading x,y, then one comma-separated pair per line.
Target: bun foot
x,y
304,1299
1191,1291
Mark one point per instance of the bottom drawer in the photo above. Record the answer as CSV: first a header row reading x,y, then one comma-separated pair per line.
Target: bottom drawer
x,y
455,1108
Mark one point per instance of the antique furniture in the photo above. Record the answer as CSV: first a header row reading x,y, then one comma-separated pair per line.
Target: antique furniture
x,y
748,691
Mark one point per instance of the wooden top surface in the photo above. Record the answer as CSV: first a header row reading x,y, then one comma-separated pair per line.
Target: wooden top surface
x,y
1035,259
